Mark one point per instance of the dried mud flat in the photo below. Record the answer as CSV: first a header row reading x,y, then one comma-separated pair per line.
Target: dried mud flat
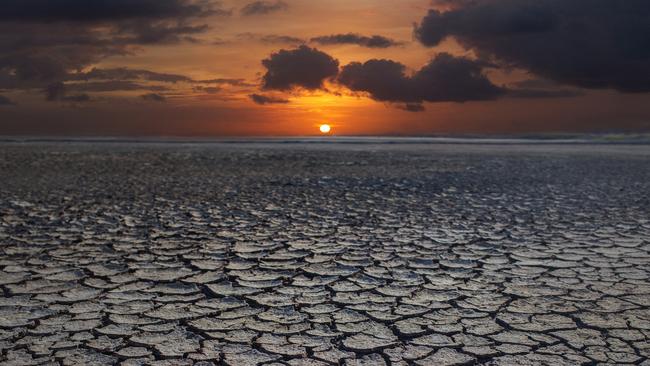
x,y
317,254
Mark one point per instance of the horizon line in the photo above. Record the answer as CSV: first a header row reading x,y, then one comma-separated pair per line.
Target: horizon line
x,y
543,138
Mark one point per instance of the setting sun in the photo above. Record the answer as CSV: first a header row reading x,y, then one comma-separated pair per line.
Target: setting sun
x,y
325,128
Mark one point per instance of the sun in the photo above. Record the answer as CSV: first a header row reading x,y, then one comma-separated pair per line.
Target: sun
x,y
324,129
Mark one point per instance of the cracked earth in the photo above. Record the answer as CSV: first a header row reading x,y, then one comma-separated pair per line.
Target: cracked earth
x,y
290,254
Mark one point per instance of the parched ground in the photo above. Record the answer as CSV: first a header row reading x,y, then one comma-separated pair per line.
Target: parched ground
x,y
324,254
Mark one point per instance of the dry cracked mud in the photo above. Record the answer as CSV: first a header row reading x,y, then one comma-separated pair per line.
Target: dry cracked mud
x,y
324,254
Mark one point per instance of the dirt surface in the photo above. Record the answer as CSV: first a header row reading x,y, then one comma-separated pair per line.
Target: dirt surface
x,y
324,254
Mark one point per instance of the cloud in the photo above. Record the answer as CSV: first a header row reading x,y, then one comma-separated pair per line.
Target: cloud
x,y
540,88
161,33
153,97
227,81
123,73
114,79
411,107
95,80
113,85
123,78
58,92
4,101
262,7
85,11
599,44
48,52
535,84
207,89
541,93
445,78
266,99
54,91
272,38
450,4
301,67
374,41
43,42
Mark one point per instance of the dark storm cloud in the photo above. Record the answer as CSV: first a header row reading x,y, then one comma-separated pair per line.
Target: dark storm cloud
x,y
374,41
535,84
54,91
451,4
154,97
45,42
151,33
301,67
77,98
4,101
585,43
542,93
266,99
58,92
411,107
540,88
100,10
263,7
36,52
444,79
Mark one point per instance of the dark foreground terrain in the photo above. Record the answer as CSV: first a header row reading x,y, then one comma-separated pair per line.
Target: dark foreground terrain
x,y
324,254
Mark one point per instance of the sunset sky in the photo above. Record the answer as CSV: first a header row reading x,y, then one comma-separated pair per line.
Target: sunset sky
x,y
283,67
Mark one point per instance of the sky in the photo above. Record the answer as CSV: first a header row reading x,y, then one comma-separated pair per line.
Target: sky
x,y
284,67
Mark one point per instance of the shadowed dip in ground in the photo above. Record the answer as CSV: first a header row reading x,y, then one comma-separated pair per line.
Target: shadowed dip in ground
x,y
324,254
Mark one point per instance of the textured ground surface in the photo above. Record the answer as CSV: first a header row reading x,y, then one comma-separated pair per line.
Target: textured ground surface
x,y
324,254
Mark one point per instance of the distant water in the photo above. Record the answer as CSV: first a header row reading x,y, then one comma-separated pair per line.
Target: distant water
x,y
537,139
